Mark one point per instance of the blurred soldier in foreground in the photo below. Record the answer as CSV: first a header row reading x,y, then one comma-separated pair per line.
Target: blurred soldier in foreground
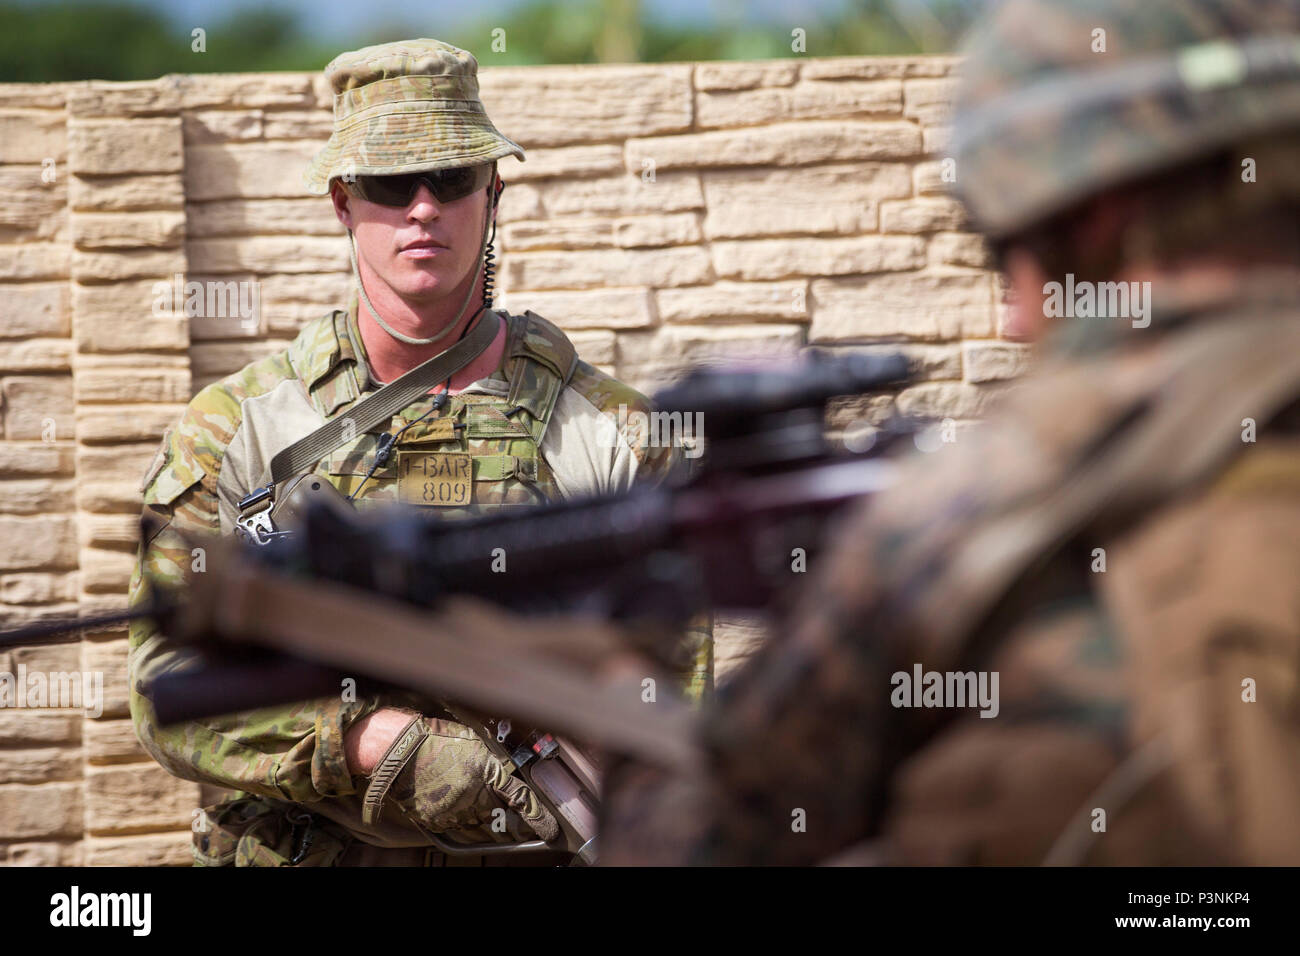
x,y
1072,637
515,420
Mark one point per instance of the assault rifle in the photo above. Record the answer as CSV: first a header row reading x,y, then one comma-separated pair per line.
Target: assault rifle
x,y
510,612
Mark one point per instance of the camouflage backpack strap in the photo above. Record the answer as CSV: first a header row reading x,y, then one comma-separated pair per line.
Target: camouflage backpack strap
x,y
544,360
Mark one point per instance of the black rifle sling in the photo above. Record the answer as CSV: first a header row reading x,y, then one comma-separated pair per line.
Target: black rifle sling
x,y
385,403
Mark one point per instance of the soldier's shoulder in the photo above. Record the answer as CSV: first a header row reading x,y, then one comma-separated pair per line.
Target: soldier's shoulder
x,y
193,448
592,399
214,414
607,393
626,413
542,339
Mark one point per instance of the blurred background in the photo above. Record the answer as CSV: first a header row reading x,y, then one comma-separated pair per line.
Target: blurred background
x,y
50,40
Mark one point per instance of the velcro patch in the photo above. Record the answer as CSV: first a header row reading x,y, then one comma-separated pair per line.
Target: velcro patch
x,y
435,478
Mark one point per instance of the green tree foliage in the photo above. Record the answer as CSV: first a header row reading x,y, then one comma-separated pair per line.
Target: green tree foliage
x,y
118,41
127,41
76,40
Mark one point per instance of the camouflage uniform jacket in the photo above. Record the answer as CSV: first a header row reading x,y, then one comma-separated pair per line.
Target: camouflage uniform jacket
x,y
1122,548
531,436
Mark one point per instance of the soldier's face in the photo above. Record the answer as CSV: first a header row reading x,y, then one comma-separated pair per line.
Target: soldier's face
x,y
424,251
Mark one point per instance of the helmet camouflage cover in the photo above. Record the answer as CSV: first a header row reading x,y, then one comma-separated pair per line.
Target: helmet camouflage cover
x,y
402,107
1061,99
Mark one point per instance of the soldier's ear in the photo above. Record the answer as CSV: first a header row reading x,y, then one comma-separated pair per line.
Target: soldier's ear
x,y
339,196
497,187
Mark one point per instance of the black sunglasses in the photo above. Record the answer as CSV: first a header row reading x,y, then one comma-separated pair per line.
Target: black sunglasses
x,y
447,185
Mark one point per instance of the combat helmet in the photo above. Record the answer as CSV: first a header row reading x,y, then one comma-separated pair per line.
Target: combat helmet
x,y
1061,99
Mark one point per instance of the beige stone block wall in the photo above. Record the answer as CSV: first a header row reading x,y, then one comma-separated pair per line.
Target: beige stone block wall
x,y
666,215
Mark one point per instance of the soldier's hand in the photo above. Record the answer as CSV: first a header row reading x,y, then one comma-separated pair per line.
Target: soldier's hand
x,y
444,779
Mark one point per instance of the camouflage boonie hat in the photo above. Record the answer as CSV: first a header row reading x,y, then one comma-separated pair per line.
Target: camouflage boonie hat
x,y
402,107
1061,99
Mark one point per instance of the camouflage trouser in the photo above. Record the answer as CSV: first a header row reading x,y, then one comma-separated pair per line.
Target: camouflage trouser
x,y
253,831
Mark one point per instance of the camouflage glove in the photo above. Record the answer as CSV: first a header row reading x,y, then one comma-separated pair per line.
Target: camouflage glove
x,y
443,778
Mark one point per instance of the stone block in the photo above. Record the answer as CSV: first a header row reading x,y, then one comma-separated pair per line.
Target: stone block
x,y
32,309
994,361
836,198
257,217
109,230
32,136
567,105
922,215
915,305
124,423
247,170
204,127
34,260
36,355
37,407
685,265
43,810
38,459
803,101
34,496
735,302
268,254
136,798
591,309
565,162
781,144
38,541
620,196
131,146
782,258
114,266
123,193
150,849
745,75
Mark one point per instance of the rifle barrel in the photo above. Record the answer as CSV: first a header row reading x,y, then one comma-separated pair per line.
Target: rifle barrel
x,y
64,630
